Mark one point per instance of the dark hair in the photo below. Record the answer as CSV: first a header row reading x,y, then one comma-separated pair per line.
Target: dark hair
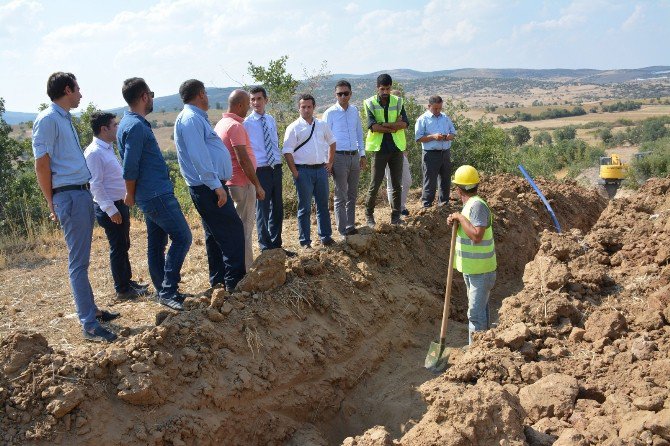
x,y
100,119
190,89
434,100
384,80
471,191
343,83
133,89
307,97
57,82
258,89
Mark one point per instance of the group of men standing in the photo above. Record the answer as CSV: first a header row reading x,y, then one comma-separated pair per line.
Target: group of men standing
x,y
234,174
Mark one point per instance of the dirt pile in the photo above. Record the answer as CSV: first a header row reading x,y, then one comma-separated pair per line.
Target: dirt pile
x,y
582,350
263,367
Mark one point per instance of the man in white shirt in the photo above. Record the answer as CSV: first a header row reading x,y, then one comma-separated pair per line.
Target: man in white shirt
x,y
262,131
109,189
309,149
345,122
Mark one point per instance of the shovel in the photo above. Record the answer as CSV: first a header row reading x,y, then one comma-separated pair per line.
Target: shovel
x,y
438,357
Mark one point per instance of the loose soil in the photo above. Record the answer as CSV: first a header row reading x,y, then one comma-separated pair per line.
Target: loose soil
x,y
579,354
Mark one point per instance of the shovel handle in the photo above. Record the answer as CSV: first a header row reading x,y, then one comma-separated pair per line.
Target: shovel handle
x,y
447,293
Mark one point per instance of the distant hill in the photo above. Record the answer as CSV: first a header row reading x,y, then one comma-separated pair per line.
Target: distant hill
x,y
419,82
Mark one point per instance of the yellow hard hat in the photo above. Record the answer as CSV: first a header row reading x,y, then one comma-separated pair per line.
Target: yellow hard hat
x,y
466,177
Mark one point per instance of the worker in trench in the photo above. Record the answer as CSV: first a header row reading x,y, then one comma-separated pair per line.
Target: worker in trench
x,y
475,255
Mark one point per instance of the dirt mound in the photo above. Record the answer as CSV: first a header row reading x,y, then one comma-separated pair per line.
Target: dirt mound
x,y
584,346
267,367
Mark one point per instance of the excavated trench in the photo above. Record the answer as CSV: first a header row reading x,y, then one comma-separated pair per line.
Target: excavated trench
x,y
337,349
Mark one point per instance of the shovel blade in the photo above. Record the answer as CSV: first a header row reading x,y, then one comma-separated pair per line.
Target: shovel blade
x,y
437,358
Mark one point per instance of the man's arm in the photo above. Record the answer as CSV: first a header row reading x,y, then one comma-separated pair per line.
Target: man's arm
x,y
291,164
401,123
474,233
248,169
43,172
130,193
193,136
330,139
373,125
132,143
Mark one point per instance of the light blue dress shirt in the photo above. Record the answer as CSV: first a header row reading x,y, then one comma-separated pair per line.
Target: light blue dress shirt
x,y
254,128
203,157
427,124
54,134
347,128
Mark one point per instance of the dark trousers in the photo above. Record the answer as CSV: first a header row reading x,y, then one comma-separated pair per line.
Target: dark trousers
x,y
436,171
164,219
118,236
270,212
394,160
224,236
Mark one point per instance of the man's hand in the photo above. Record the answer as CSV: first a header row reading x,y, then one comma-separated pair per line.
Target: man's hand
x,y
52,213
260,193
116,218
364,163
221,196
129,200
449,137
295,174
455,216
329,167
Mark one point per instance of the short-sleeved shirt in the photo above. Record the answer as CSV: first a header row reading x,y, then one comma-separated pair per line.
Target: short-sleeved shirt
x,y
480,215
316,150
54,135
232,132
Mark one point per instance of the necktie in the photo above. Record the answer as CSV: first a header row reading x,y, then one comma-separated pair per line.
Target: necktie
x,y
268,142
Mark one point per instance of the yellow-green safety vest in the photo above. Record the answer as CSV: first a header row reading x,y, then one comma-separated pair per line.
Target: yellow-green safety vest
x,y
373,141
475,258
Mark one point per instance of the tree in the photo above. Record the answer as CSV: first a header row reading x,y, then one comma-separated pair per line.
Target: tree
x,y
520,135
565,133
83,125
279,83
542,138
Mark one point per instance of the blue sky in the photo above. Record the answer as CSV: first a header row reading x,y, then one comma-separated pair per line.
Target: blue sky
x,y
167,42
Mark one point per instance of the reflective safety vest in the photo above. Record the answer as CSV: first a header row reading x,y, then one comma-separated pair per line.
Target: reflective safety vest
x,y
373,141
475,258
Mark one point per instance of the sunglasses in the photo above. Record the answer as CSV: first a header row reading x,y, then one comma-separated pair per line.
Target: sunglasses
x,y
343,93
150,93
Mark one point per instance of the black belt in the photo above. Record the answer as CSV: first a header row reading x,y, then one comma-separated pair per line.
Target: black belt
x,y
311,166
55,190
347,152
269,167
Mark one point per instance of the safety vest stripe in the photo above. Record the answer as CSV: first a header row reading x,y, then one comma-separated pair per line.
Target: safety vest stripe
x,y
476,255
467,241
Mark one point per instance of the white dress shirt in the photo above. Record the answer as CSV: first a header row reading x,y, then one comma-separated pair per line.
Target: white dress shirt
x,y
107,184
317,148
254,128
347,128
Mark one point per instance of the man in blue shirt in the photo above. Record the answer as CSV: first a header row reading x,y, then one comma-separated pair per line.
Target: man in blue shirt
x,y
63,178
435,131
345,123
205,164
148,184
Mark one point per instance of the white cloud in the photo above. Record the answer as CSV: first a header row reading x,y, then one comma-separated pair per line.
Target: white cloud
x,y
635,18
352,8
17,16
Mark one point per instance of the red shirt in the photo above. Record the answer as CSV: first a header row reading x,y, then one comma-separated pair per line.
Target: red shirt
x,y
232,132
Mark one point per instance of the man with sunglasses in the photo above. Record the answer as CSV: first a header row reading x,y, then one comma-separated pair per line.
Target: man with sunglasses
x,y
148,184
345,123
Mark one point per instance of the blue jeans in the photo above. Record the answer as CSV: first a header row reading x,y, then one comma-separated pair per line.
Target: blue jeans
x,y
74,209
164,218
479,288
312,182
270,212
118,236
224,236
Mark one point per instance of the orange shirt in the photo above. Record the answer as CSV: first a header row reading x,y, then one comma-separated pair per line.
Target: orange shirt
x,y
232,132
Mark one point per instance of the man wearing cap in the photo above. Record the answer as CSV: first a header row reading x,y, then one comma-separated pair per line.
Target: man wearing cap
x,y
475,248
